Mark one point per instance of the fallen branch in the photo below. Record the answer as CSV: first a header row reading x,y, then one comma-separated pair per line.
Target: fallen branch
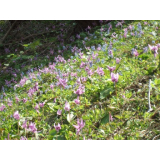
x,y
155,137
8,32
33,35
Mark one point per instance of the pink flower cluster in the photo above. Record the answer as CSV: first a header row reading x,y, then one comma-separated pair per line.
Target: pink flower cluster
x,y
16,115
2,107
31,127
100,71
62,82
80,90
154,49
79,126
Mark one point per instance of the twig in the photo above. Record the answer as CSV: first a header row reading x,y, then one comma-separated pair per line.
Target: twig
x,y
155,137
149,104
8,32
33,35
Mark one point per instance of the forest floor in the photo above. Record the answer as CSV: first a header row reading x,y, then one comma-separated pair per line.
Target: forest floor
x,y
102,83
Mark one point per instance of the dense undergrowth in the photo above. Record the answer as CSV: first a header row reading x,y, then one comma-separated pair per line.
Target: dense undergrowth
x,y
93,86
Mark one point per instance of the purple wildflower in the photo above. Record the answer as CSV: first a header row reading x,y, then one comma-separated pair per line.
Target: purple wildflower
x,y
62,82
110,117
111,68
118,60
154,48
24,100
114,77
80,90
41,104
67,106
82,64
17,99
135,53
32,127
90,72
59,112
16,115
77,101
23,138
7,50
51,86
79,126
78,36
100,71
24,125
37,108
84,79
2,107
58,127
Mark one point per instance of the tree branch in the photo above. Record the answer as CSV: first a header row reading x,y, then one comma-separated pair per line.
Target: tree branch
x,y
8,32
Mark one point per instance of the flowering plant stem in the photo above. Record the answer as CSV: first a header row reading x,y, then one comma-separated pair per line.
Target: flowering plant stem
x,y
43,112
61,120
135,66
18,127
25,133
117,97
159,63
116,92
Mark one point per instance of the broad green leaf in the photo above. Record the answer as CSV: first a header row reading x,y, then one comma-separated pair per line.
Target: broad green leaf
x,y
105,119
106,92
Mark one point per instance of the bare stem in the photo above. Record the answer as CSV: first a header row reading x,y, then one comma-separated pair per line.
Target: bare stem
x,y
116,92
61,120
149,104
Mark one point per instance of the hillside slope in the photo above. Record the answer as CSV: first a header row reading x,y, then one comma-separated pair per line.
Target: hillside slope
x,y
96,86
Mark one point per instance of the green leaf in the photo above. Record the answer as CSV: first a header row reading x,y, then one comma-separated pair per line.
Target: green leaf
x,y
86,117
151,69
53,132
118,116
59,137
26,45
157,81
105,119
10,55
106,92
144,56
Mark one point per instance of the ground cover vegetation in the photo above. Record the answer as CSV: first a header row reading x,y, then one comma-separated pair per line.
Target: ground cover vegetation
x,y
60,80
